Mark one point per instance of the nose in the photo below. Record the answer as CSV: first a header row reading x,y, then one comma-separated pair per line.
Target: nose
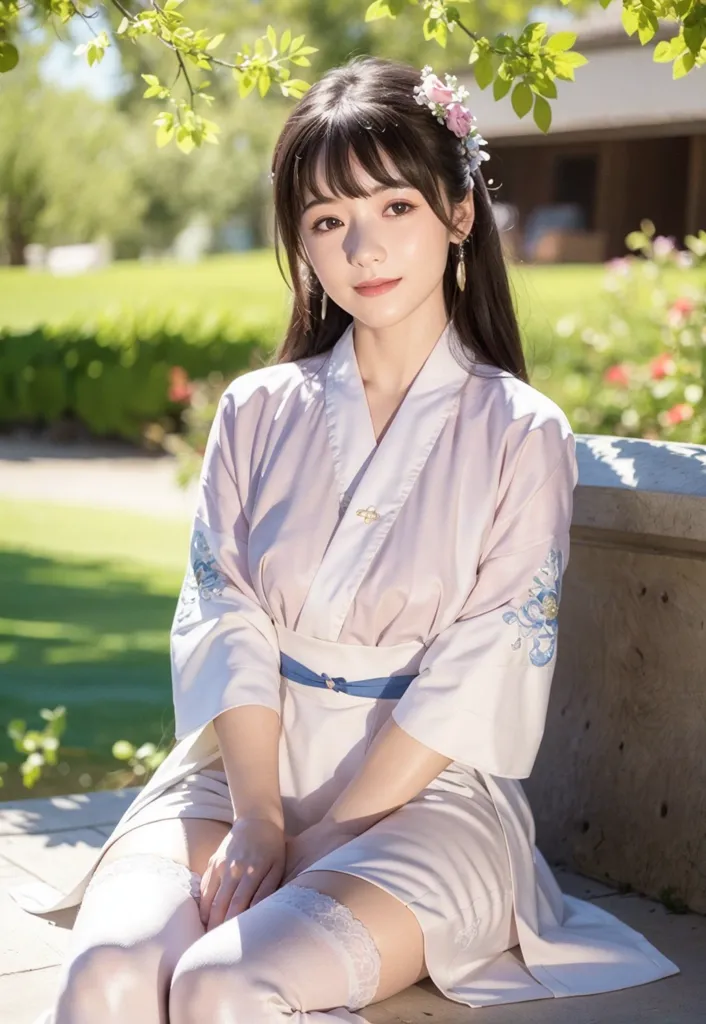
x,y
363,249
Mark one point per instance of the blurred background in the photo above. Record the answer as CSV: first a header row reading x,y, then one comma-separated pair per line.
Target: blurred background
x,y
136,281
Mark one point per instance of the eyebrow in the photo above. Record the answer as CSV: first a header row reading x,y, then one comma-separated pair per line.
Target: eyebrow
x,y
373,192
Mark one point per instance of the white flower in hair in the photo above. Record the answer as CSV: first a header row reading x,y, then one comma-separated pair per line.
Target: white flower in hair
x,y
446,103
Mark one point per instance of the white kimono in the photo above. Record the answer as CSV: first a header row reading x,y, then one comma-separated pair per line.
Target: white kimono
x,y
438,553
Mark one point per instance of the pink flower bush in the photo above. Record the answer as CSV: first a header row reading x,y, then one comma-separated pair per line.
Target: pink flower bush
x,y
618,374
678,414
180,388
662,366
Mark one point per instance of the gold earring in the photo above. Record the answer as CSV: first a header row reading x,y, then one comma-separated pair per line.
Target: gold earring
x,y
461,268
324,304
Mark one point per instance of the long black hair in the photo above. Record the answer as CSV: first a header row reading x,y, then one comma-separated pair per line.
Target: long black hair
x,y
367,107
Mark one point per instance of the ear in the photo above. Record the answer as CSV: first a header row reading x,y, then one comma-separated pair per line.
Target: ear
x,y
464,216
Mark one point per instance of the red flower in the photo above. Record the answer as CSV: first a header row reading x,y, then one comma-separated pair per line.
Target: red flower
x,y
682,305
662,366
179,385
618,374
679,413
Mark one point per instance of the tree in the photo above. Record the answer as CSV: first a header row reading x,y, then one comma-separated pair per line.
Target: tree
x,y
524,66
66,166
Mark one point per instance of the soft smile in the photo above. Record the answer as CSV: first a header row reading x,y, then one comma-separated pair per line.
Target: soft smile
x,y
377,286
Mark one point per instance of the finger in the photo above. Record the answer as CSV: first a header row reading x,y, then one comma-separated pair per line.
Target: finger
x,y
209,888
269,884
247,886
221,901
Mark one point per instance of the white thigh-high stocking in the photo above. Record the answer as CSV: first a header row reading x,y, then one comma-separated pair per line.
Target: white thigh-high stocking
x,y
299,956
138,916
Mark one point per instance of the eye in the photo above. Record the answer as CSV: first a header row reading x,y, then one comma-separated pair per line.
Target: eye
x,y
401,202
316,226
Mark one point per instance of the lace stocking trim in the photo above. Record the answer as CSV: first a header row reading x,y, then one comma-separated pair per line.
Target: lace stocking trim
x,y
165,867
352,937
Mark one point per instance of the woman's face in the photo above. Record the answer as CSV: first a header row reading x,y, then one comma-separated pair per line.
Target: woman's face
x,y
391,233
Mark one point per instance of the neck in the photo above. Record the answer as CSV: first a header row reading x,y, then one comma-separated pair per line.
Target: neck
x,y
389,358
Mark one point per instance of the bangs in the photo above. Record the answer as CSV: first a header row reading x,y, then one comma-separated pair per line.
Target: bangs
x,y
352,135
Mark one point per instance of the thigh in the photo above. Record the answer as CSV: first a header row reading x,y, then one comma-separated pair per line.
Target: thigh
x,y
393,926
189,841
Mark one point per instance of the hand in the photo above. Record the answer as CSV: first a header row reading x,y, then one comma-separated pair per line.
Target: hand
x,y
246,867
311,844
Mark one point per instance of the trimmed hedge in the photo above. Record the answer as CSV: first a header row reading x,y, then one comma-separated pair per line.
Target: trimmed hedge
x,y
114,376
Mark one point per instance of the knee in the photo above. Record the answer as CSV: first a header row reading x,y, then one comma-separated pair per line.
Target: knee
x,y
225,992
104,983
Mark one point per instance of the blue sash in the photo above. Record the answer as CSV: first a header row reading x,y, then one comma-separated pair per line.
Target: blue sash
x,y
383,686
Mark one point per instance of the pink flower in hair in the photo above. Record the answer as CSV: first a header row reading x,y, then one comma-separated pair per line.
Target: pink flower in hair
x,y
435,90
459,119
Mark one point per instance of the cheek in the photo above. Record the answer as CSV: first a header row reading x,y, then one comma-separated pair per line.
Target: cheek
x,y
425,242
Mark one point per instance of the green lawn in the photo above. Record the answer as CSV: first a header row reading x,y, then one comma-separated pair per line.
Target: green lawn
x,y
86,602
246,286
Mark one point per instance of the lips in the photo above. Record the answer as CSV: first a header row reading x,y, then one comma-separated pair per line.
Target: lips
x,y
377,285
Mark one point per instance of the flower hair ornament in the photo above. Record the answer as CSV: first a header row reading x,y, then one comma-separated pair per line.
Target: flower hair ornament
x,y
446,103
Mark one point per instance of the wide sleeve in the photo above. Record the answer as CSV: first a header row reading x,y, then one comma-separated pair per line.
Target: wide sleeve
x,y
224,648
482,689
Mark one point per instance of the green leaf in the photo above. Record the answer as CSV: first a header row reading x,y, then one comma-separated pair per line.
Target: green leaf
x,y
216,41
483,71
165,135
378,9
630,20
16,728
695,36
285,40
683,65
561,41
501,87
271,37
302,61
542,114
576,60
296,43
521,99
648,25
545,87
663,52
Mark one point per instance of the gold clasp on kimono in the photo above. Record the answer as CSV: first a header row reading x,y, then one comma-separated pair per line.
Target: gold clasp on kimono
x,y
368,514
333,683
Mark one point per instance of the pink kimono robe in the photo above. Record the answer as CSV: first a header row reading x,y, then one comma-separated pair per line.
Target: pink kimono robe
x,y
437,553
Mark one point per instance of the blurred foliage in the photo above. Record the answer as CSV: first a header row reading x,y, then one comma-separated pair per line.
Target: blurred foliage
x,y
114,377
45,752
67,166
637,368
41,747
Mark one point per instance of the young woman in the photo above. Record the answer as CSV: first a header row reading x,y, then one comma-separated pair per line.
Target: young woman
x,y
364,644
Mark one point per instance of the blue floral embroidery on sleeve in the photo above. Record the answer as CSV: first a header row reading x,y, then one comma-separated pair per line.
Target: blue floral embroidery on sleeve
x,y
203,577
538,617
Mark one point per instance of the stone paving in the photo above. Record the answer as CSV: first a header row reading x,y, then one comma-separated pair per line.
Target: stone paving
x,y
96,475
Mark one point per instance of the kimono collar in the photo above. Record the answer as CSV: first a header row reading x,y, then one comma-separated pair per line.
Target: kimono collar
x,y
373,479
440,372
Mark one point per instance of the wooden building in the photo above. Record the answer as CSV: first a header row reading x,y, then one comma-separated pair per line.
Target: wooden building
x,y
626,142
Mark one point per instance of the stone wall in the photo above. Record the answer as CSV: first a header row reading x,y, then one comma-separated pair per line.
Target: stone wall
x,y
619,788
